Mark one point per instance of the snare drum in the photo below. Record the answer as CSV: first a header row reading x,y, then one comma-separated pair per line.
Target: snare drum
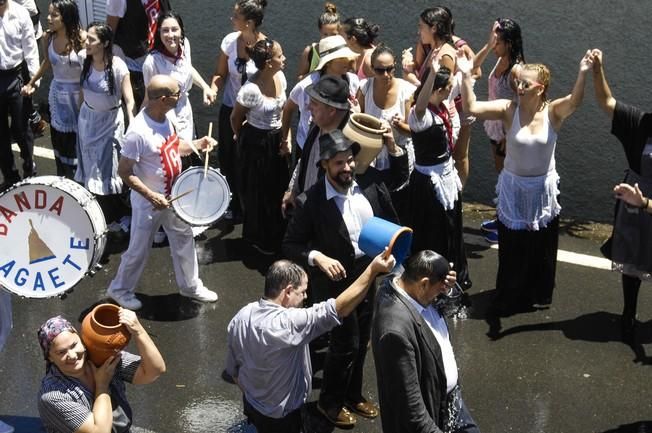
x,y
202,199
52,233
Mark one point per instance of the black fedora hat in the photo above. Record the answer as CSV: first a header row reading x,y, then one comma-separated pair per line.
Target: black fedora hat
x,y
334,142
333,91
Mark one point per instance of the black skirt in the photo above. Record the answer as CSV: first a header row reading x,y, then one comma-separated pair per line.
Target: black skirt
x,y
435,228
527,264
264,177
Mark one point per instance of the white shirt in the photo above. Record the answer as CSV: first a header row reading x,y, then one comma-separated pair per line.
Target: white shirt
x,y
355,210
233,81
17,41
157,162
264,111
31,7
438,327
118,8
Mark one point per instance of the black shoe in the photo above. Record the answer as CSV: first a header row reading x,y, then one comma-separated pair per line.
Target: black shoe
x,y
29,170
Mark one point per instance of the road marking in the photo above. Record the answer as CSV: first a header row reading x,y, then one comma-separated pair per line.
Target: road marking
x,y
562,255
41,152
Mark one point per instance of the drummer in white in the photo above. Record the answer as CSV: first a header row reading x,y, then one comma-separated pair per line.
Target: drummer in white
x,y
150,161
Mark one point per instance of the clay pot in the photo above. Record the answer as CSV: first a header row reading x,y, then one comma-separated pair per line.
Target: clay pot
x,y
102,333
367,131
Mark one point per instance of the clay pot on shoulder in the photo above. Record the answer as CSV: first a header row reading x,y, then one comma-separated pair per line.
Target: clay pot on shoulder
x,y
102,333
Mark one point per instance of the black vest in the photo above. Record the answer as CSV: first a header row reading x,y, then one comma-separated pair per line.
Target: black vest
x,y
431,145
131,34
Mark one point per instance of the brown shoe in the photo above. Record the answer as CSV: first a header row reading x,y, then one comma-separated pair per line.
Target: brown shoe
x,y
364,408
38,128
344,419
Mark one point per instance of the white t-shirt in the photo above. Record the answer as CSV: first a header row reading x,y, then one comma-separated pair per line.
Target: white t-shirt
x,y
264,112
96,85
155,148
233,82
299,96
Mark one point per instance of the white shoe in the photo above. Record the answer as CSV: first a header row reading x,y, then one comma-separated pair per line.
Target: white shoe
x,y
6,428
201,294
125,300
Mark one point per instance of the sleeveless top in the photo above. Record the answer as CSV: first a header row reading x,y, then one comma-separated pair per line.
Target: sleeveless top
x,y
66,68
361,74
498,88
530,154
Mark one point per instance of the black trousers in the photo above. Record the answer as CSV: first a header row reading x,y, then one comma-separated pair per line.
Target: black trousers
x,y
290,423
12,105
347,350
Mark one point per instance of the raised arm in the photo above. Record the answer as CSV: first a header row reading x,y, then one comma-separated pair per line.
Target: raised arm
x,y
481,55
349,299
602,92
561,108
421,103
492,110
152,364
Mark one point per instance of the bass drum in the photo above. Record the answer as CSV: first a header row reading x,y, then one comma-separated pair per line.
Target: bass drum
x,y
202,200
52,233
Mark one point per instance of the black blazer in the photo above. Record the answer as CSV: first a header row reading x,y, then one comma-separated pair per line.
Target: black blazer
x,y
409,367
317,224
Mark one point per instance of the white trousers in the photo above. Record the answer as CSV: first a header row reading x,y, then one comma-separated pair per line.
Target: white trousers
x,y
145,222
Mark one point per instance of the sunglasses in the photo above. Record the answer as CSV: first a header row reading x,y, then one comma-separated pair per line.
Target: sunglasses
x,y
526,84
381,71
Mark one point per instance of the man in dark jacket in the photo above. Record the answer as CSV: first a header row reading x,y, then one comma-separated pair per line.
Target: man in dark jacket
x,y
323,237
415,365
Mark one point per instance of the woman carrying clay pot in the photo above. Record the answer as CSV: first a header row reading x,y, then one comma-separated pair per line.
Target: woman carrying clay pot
x,y
75,395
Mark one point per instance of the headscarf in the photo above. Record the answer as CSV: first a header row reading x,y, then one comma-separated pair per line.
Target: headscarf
x,y
50,330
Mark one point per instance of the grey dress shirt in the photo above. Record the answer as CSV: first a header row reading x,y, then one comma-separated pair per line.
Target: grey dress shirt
x,y
268,352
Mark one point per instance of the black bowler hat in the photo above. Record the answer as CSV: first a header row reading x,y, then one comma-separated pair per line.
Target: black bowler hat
x,y
333,91
333,143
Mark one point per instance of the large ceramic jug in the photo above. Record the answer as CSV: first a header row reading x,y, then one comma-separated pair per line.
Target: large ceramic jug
x,y
102,333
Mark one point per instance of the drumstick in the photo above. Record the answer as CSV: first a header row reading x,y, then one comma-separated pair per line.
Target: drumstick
x,y
180,195
210,132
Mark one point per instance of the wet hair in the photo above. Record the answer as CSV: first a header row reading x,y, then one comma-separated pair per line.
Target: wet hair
x,y
70,18
425,264
281,274
379,51
262,52
329,16
253,10
158,42
105,36
440,19
365,33
510,33
442,77
543,76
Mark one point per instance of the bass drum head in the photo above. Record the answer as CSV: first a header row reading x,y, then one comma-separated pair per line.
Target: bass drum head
x,y
207,200
52,231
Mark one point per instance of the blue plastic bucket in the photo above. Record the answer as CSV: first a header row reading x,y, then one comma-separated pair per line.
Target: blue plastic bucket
x,y
378,233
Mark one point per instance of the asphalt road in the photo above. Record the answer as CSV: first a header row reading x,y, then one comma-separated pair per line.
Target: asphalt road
x,y
557,370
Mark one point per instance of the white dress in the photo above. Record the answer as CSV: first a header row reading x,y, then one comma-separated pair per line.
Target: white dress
x,y
101,131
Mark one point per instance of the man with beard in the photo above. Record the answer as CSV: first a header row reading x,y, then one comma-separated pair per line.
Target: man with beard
x,y
324,234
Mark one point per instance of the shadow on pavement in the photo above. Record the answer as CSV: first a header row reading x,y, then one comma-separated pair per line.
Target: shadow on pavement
x,y
598,327
636,427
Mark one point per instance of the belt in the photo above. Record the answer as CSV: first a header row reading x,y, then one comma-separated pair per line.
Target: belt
x,y
11,72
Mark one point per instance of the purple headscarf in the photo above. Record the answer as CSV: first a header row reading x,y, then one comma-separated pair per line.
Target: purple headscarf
x,y
50,330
